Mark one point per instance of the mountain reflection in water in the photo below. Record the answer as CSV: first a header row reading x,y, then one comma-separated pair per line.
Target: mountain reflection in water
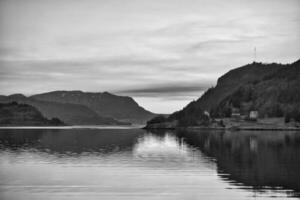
x,y
260,160
135,164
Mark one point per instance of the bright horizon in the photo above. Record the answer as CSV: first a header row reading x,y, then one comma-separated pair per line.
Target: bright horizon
x,y
164,54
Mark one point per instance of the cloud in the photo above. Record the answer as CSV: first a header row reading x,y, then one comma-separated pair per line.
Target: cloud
x,y
167,90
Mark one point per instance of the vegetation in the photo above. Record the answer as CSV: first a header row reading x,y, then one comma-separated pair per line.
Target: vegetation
x,y
23,115
70,113
275,95
103,104
271,89
293,115
157,119
191,116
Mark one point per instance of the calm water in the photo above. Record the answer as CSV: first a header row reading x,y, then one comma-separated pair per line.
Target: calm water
x,y
135,164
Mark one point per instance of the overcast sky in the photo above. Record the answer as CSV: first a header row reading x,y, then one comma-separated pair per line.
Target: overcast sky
x,y
164,53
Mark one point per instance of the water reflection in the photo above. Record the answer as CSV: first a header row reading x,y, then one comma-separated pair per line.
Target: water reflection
x,y
262,160
164,146
76,141
135,164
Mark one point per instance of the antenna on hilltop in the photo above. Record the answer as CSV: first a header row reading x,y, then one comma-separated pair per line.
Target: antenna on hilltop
x,y
254,54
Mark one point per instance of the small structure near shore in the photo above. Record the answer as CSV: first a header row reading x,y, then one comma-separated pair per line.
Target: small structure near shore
x,y
206,113
235,114
253,115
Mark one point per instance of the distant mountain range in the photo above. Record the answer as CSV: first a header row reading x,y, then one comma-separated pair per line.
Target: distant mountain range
x,y
122,108
12,114
85,108
271,89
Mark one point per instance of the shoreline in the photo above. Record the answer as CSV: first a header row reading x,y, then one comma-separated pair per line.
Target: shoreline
x,y
227,128
234,128
72,127
265,124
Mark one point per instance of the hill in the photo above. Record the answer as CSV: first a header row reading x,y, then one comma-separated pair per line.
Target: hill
x,y
277,94
271,89
104,104
233,80
14,114
71,114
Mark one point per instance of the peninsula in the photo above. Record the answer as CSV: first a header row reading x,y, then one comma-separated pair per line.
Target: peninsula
x,y
256,96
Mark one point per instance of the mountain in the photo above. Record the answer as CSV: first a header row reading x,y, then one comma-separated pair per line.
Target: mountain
x,y
104,104
233,80
271,89
14,114
72,114
276,94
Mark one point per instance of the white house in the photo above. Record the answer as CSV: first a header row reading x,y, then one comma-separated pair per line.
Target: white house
x,y
253,114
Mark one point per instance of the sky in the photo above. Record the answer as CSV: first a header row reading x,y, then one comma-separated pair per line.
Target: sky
x,y
163,53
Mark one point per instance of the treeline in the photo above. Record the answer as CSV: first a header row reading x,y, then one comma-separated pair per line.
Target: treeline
x,y
193,116
273,96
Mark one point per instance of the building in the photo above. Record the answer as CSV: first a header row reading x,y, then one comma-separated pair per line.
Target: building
x,y
253,115
206,113
235,114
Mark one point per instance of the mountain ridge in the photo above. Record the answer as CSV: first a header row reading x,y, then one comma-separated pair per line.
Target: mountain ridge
x,y
105,104
71,114
76,107
15,114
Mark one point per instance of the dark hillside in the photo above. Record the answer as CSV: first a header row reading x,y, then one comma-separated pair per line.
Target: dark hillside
x,y
104,104
271,89
72,114
14,114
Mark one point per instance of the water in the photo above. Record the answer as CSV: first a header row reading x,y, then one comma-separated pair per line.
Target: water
x,y
135,164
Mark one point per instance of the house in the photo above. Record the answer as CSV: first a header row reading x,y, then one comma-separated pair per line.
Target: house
x,y
253,115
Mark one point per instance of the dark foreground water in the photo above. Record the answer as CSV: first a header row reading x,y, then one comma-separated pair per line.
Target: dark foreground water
x,y
135,164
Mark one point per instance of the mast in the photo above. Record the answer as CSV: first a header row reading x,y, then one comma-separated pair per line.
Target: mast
x,y
254,54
